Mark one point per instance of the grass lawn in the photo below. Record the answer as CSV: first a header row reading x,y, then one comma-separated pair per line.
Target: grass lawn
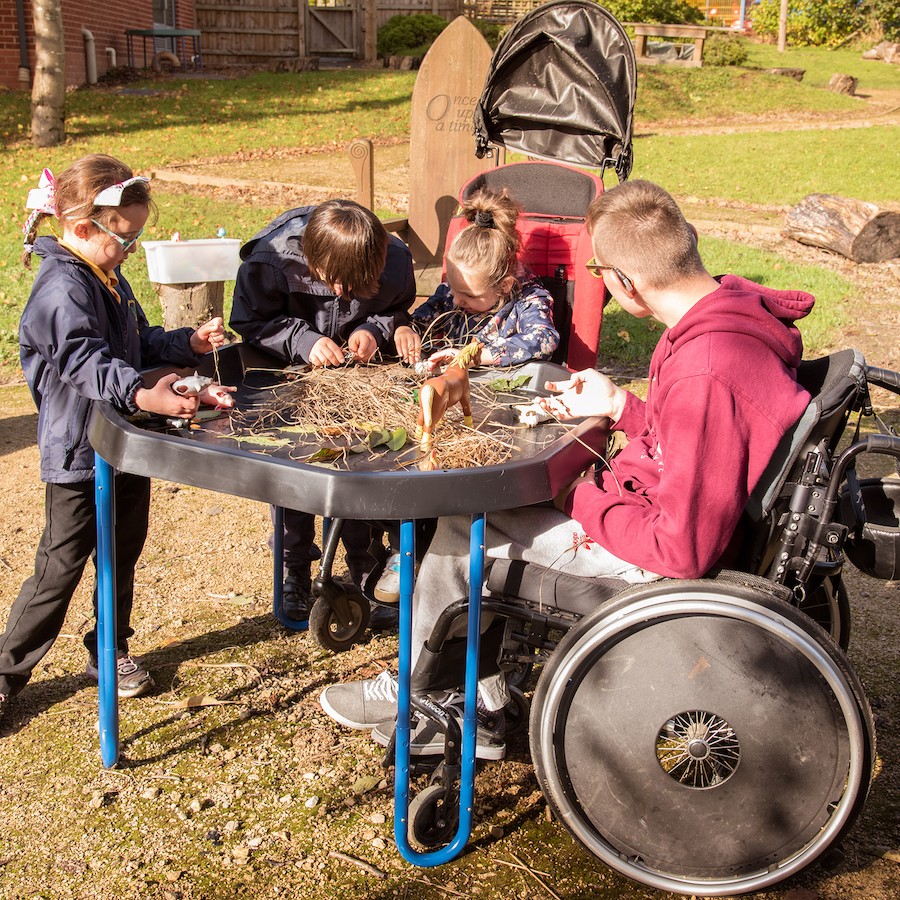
x,y
154,123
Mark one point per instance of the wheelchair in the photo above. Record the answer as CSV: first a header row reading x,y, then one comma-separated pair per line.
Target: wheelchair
x,y
706,737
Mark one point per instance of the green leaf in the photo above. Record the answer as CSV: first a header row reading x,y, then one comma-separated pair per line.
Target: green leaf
x,y
398,439
298,429
502,385
326,454
265,440
376,438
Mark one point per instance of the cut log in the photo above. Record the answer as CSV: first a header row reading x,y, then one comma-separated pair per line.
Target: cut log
x,y
843,84
854,228
796,74
190,304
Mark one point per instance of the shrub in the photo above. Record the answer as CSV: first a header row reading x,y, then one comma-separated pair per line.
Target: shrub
x,y
671,12
816,23
492,31
725,50
409,35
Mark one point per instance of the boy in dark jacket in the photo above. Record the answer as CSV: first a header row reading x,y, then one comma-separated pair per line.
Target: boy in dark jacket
x,y
316,278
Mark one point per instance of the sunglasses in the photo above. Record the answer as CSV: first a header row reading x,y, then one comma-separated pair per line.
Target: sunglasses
x,y
597,269
125,243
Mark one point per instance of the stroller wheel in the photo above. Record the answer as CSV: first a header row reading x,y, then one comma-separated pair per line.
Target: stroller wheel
x,y
336,633
702,738
516,711
433,817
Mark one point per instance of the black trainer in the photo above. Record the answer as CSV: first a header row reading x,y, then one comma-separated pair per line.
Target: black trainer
x,y
296,597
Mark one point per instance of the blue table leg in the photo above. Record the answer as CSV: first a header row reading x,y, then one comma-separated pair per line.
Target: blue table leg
x,y
105,500
467,762
278,574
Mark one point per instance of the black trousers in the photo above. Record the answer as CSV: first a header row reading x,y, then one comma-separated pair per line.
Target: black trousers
x,y
68,541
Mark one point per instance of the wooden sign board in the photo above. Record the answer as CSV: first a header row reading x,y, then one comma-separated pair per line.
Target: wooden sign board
x,y
442,142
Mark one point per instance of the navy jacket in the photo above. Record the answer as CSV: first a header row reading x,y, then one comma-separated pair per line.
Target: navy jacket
x,y
78,344
279,307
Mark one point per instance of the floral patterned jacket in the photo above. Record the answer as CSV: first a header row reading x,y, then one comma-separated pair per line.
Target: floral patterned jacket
x,y
521,330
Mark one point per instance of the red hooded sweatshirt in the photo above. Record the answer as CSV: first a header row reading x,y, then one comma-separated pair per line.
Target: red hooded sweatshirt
x,y
723,392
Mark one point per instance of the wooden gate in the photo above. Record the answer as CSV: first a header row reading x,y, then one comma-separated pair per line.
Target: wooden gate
x,y
332,28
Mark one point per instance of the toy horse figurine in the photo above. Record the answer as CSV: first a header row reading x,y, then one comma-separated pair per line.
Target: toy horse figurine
x,y
438,394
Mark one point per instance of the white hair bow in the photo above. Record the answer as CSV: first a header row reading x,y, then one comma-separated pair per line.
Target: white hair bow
x,y
43,197
112,196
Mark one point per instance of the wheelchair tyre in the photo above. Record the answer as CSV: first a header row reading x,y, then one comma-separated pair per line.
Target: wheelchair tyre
x,y
829,606
701,738
330,632
433,817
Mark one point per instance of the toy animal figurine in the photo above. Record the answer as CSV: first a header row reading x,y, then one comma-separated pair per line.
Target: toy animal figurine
x,y
206,389
438,394
191,385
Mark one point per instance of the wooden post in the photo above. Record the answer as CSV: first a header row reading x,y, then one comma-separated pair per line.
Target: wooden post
x,y
190,304
301,27
371,27
363,160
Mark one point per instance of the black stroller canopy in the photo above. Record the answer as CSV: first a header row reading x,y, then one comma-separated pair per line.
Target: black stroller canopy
x,y
562,86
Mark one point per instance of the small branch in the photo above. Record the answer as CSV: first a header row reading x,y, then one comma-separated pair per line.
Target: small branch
x,y
536,877
372,870
439,887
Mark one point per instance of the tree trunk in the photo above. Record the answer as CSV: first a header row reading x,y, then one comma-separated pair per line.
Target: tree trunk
x,y
48,94
855,229
190,304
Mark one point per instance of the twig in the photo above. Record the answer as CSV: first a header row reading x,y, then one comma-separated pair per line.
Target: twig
x,y
368,867
503,862
536,877
439,887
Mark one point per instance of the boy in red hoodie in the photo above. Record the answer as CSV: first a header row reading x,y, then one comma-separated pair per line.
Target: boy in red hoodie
x,y
722,393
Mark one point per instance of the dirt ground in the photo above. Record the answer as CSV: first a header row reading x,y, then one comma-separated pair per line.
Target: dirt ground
x,y
233,782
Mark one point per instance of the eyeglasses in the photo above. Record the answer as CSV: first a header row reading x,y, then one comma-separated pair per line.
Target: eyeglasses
x,y
125,243
597,269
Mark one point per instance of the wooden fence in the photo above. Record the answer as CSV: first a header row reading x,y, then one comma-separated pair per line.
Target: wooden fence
x,y
246,32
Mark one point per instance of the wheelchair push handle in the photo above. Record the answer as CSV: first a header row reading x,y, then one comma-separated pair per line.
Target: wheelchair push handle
x,y
883,378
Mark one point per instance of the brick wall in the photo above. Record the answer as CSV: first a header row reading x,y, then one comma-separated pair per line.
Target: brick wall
x,y
105,19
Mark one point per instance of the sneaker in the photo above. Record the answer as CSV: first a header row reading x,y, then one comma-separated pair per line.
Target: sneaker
x,y
388,588
427,738
134,679
383,618
362,704
4,703
296,596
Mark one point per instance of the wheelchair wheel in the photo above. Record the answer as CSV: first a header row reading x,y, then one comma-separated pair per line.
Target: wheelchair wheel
x,y
331,631
829,607
701,738
433,817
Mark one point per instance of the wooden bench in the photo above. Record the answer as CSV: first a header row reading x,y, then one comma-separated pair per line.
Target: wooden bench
x,y
697,33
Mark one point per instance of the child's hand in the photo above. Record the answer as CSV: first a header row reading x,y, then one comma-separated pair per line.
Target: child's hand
x,y
408,344
587,393
325,352
363,345
208,336
440,358
163,401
